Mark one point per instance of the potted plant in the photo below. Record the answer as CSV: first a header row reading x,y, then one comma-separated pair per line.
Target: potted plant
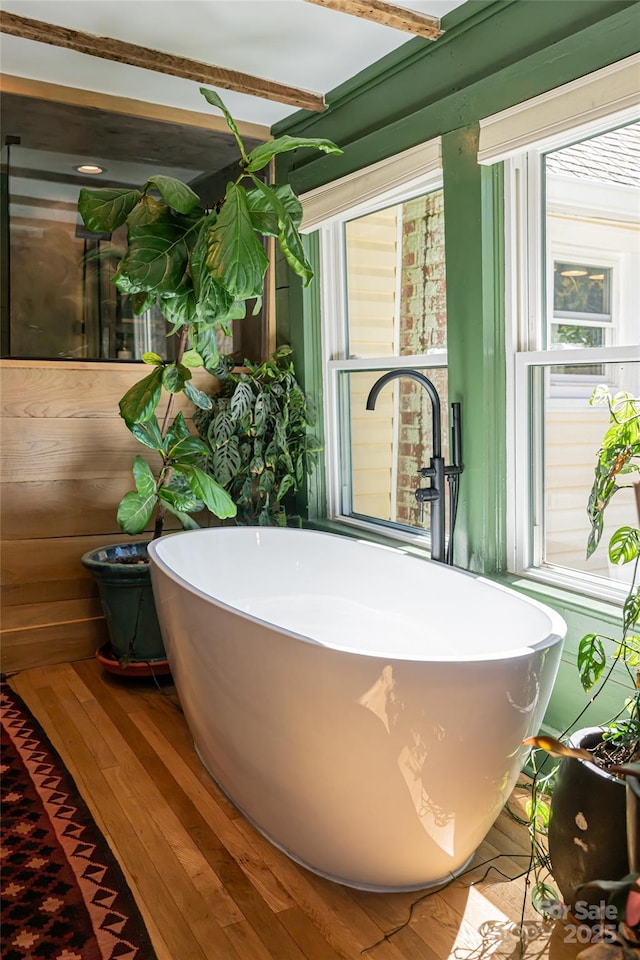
x,y
258,433
201,267
587,838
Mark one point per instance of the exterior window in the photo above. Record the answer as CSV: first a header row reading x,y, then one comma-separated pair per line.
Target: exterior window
x,y
581,305
577,210
389,314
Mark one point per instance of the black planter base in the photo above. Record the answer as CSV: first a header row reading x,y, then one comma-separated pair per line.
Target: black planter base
x,y
587,827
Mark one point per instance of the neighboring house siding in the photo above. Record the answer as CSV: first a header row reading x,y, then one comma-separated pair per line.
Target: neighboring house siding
x,y
372,258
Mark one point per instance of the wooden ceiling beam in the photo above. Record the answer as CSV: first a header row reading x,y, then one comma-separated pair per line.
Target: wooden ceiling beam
x,y
135,55
386,14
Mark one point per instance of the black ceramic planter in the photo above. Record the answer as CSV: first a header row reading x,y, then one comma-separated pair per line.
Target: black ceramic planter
x,y
124,583
587,827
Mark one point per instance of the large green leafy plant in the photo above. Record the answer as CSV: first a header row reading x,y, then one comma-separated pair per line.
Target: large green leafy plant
x,y
618,462
201,267
258,432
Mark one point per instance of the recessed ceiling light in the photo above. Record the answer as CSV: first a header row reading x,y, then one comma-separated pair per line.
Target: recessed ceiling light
x,y
573,273
89,168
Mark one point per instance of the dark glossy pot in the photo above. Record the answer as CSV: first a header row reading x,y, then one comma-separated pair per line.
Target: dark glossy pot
x,y
587,827
124,583
633,823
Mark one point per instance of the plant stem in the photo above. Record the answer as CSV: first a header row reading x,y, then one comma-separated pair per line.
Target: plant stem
x,y
165,476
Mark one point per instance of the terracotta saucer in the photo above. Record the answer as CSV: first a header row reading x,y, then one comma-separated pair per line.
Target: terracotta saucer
x,y
135,668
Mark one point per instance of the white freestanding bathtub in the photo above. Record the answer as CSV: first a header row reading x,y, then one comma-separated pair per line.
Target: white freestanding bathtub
x,y
364,709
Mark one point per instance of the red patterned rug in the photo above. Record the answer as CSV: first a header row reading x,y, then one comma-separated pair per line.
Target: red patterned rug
x,y
63,893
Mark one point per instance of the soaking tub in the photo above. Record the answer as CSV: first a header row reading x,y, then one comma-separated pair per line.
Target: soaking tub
x,y
363,709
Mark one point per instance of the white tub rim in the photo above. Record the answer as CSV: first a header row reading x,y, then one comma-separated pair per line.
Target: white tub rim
x,y
557,631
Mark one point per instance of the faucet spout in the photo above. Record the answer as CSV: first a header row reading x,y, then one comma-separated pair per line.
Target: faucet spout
x,y
433,396
434,494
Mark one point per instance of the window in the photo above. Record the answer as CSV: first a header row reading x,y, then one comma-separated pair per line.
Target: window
x,y
581,314
384,309
575,209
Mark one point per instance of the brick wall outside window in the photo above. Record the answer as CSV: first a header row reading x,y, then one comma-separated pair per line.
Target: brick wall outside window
x,y
423,326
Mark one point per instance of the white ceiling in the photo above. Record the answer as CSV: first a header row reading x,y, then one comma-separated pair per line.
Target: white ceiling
x,y
288,41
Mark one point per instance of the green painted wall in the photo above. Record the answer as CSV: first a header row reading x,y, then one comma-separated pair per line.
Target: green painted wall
x,y
493,55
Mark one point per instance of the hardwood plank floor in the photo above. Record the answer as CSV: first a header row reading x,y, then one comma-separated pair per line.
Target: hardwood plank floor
x,y
210,887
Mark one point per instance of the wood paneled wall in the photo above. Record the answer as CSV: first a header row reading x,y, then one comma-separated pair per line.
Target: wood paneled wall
x,y
66,462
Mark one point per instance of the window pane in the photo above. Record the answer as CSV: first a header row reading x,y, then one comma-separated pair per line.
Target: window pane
x,y
576,336
386,447
396,293
581,289
572,433
592,226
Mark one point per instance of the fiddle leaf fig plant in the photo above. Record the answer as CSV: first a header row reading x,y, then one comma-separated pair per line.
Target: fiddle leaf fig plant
x,y
200,267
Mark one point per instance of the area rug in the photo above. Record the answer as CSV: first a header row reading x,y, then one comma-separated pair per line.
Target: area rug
x,y
64,896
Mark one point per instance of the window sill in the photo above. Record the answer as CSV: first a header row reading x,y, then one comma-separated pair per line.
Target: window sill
x,y
555,594
358,531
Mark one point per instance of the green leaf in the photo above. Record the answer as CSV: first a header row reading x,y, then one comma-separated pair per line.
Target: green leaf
x,y
286,484
241,401
174,377
141,302
188,448
157,256
212,97
591,659
181,444
191,358
178,429
631,611
211,493
140,402
263,215
104,210
221,428
624,545
201,399
180,309
261,155
236,258
181,500
629,651
144,478
153,359
174,192
226,461
148,211
288,236
148,433
266,481
135,511
208,348
539,811
260,412
542,896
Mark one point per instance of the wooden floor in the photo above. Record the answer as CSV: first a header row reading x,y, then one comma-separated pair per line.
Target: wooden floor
x,y
211,888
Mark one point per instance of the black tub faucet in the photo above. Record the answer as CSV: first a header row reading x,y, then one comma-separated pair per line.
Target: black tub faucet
x,y
436,471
